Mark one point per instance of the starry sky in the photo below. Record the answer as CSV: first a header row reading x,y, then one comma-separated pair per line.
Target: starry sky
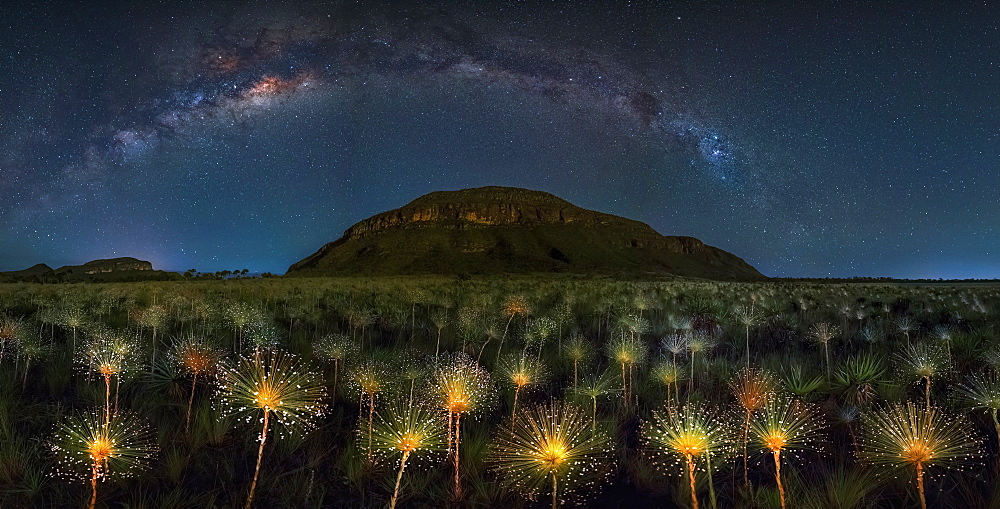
x,y
812,139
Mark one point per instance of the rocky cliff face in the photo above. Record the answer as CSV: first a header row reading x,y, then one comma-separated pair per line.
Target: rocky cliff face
x,y
111,265
488,206
105,266
102,270
502,229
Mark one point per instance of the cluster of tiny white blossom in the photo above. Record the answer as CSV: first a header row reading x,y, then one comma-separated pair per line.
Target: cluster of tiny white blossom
x,y
552,449
460,385
412,429
89,446
691,433
106,352
904,435
786,425
273,382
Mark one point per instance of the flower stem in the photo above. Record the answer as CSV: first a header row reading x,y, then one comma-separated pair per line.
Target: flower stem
x,y
690,469
260,456
399,477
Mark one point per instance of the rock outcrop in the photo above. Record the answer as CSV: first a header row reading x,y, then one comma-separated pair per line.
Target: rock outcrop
x,y
503,229
105,266
114,269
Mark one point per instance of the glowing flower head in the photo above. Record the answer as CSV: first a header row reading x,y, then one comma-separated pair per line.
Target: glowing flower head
x,y
551,448
460,385
276,383
87,445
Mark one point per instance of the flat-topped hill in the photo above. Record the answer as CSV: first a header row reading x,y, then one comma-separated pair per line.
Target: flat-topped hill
x,y
504,229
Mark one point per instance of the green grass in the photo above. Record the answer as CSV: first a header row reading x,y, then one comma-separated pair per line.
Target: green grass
x,y
213,464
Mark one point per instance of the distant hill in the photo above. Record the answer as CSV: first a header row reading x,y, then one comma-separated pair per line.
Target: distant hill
x,y
35,270
109,270
512,230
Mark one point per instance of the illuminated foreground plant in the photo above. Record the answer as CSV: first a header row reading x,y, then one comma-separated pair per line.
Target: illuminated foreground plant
x,y
196,357
982,391
91,446
668,374
406,430
110,354
753,388
785,425
923,361
522,373
690,433
578,350
551,445
334,348
594,387
369,379
902,436
626,351
460,386
11,332
273,384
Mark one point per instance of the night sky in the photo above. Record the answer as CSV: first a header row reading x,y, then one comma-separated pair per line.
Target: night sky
x,y
810,139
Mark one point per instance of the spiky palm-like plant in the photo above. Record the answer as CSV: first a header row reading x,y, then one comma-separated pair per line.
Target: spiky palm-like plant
x,y
369,379
904,436
335,348
440,320
539,332
800,383
634,325
199,359
905,325
676,344
154,317
460,386
239,316
593,387
109,354
753,388
785,425
406,429
626,351
578,350
411,368
748,317
514,305
923,361
668,374
981,391
32,347
944,334
699,344
89,446
270,385
857,378
74,319
823,333
550,446
521,372
690,433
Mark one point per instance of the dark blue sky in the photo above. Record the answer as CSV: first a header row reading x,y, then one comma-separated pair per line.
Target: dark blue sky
x,y
809,138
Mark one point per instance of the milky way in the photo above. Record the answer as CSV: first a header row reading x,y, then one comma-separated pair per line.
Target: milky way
x,y
183,116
